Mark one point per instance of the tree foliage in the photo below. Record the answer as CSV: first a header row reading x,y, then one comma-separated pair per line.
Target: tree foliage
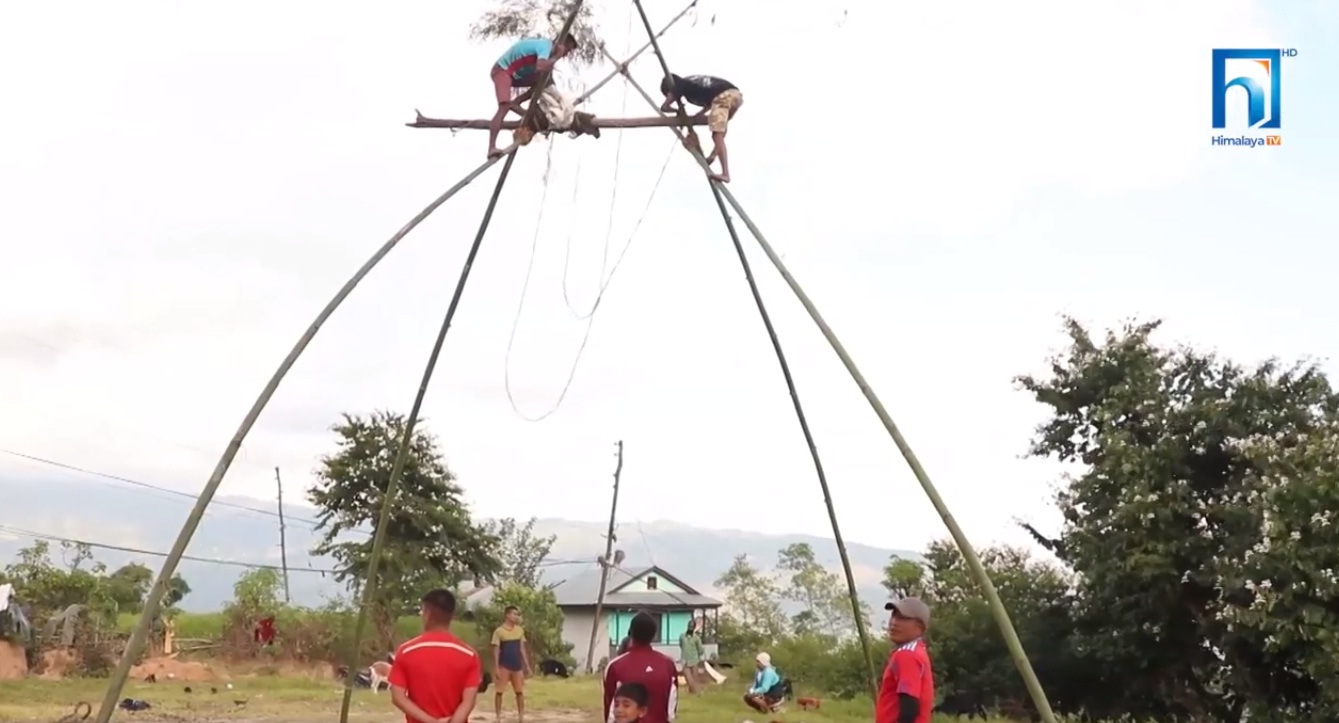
x,y
1196,563
824,606
752,618
516,19
540,616
520,552
1187,466
431,539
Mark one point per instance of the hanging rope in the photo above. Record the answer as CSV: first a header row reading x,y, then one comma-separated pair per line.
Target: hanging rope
x,y
613,203
857,611
590,321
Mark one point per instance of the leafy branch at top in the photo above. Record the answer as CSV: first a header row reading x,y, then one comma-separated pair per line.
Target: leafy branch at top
x,y
516,19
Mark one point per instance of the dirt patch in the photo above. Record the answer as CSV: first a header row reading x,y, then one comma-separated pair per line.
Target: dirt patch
x,y
548,716
173,669
56,664
13,662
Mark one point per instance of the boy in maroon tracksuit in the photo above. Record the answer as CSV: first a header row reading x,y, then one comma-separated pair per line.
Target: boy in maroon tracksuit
x,y
655,671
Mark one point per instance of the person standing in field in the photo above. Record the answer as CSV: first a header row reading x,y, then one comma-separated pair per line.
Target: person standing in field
x,y
907,694
511,661
435,677
692,653
642,664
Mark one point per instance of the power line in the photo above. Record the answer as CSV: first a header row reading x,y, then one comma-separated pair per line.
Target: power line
x,y
136,551
311,524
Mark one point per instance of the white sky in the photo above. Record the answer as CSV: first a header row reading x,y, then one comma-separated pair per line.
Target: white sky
x,y
184,185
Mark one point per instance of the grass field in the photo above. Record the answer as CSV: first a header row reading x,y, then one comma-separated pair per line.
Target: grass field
x,y
296,699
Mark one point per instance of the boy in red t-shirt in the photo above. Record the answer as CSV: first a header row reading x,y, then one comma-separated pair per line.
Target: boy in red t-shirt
x,y
435,677
907,694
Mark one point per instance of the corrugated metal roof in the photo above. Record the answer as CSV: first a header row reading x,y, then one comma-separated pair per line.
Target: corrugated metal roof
x,y
584,589
658,598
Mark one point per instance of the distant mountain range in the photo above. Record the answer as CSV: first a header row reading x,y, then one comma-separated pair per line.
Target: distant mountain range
x,y
149,520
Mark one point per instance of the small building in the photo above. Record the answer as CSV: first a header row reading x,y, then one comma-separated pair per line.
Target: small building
x,y
672,601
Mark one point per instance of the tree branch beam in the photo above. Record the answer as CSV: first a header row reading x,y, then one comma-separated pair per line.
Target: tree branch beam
x,y
423,121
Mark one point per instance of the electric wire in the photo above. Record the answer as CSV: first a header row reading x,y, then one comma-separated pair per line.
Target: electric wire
x,y
154,553
310,524
590,321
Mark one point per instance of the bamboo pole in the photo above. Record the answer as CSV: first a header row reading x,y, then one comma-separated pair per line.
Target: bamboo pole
x,y
152,603
659,121
969,554
372,583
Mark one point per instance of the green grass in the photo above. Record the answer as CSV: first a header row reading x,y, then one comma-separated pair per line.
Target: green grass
x,y
198,626
298,698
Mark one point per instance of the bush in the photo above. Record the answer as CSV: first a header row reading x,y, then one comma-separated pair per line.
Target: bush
x,y
541,617
817,664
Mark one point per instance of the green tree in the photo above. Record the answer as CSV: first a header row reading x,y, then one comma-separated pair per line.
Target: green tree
x,y
1162,508
431,540
516,19
825,608
48,589
904,578
1292,599
970,655
752,619
540,615
129,584
520,552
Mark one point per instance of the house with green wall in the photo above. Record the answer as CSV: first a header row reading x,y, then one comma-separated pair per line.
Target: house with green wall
x,y
670,600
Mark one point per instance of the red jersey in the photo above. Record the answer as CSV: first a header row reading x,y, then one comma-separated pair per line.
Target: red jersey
x,y
435,669
657,671
908,673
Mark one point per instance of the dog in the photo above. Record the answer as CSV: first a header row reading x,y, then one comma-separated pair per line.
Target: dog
x,y
807,703
549,666
379,672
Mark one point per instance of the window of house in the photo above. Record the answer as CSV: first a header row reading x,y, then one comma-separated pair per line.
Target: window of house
x,y
660,627
651,582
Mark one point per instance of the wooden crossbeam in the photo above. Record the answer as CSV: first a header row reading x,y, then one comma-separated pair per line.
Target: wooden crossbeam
x,y
423,121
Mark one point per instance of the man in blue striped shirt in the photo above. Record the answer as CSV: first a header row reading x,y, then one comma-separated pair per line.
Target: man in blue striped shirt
x,y
520,67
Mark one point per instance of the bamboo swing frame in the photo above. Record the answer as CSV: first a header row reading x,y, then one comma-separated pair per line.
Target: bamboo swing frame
x,y
723,197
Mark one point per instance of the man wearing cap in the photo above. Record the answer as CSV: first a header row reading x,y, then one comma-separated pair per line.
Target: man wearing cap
x,y
760,697
908,691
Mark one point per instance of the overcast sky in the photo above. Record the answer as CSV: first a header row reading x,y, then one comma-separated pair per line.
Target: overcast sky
x,y
184,185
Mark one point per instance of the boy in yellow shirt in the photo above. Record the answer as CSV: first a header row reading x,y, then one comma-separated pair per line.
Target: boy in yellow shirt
x,y
511,661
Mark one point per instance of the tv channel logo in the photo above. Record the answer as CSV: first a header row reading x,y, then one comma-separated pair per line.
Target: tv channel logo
x,y
1255,76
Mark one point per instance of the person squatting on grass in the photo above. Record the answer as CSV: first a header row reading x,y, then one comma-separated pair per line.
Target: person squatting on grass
x,y
435,677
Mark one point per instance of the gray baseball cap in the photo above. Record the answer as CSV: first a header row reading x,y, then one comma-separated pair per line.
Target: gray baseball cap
x,y
910,607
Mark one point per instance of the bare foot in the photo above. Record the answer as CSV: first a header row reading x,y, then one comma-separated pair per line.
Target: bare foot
x,y
719,177
494,152
711,158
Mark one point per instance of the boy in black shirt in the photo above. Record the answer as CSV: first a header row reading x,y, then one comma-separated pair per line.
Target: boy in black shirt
x,y
719,100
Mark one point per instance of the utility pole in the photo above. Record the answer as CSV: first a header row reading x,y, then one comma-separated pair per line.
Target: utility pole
x,y
605,563
283,536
